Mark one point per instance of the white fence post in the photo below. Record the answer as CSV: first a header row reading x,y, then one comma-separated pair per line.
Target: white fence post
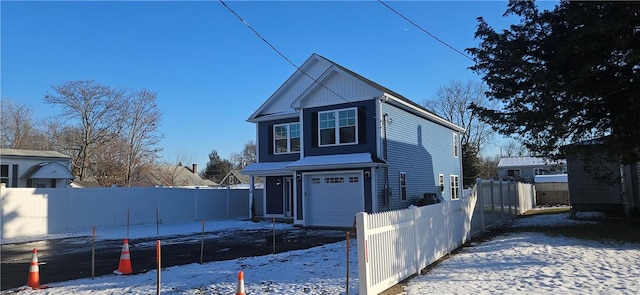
x,y
363,252
480,188
417,237
229,191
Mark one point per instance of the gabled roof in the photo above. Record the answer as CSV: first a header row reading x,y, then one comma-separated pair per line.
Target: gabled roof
x,y
176,176
238,176
300,73
527,161
32,154
316,80
47,170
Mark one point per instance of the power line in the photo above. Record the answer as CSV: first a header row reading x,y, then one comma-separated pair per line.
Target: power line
x,y
284,56
425,31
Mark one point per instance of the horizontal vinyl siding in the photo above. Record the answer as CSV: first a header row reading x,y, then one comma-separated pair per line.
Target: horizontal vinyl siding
x,y
583,189
420,148
265,142
366,130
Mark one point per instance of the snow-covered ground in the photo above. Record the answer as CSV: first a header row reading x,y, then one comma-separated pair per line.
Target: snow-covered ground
x,y
517,263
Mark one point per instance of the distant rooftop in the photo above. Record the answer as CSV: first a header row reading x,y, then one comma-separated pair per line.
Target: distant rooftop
x,y
32,153
527,161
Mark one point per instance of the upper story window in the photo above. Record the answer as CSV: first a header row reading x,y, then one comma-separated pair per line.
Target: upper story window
x,y
286,138
456,143
338,127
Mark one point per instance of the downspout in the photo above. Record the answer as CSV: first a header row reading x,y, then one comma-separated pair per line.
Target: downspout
x,y
387,190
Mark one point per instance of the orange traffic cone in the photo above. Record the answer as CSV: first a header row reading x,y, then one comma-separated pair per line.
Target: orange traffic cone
x,y
34,272
124,267
240,289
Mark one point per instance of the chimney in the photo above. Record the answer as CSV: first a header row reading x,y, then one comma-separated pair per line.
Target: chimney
x,y
194,168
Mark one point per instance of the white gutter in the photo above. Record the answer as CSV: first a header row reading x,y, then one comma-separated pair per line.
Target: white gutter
x,y
422,112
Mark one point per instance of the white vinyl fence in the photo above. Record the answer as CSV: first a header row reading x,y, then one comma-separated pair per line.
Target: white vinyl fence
x,y
38,211
397,244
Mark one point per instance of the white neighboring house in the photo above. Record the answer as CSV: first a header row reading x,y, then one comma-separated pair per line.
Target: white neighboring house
x,y
526,168
30,168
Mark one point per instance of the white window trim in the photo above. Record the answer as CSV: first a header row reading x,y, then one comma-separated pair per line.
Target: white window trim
x,y
456,145
336,128
288,138
403,196
441,184
454,187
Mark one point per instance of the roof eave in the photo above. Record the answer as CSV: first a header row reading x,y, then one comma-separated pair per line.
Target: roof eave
x,y
422,112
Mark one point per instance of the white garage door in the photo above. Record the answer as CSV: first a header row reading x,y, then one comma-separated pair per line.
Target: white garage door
x,y
333,199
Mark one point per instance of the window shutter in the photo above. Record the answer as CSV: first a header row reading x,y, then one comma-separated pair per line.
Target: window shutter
x,y
14,177
270,139
314,129
362,125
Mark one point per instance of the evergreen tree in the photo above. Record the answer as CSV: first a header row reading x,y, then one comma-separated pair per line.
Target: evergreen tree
x,y
470,165
217,168
567,75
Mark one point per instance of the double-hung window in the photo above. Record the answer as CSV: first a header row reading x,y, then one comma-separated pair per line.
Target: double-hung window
x,y
456,143
454,187
286,138
338,127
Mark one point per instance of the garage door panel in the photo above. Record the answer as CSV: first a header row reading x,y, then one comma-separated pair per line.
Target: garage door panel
x,y
333,199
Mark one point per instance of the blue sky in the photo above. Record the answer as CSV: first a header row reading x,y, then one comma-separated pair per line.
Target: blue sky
x,y
211,73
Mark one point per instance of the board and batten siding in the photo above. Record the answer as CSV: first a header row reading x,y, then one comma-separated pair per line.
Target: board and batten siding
x,y
296,84
422,149
351,90
265,142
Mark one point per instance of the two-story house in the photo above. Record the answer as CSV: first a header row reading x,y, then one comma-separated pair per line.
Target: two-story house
x,y
331,143
29,168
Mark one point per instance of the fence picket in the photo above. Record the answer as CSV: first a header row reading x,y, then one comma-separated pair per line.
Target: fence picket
x,y
393,245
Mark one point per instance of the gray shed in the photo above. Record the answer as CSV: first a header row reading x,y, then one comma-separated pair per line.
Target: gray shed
x,y
601,185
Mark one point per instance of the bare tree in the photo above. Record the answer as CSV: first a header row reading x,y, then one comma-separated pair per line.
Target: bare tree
x,y
452,102
17,125
248,156
96,110
514,149
489,166
142,121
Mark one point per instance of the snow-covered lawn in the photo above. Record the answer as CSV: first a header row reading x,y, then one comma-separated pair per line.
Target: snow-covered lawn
x,y
517,263
535,263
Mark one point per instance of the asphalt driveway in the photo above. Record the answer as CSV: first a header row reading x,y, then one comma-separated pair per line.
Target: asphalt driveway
x,y
70,258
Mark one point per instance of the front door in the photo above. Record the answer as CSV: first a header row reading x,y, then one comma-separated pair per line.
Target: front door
x,y
287,195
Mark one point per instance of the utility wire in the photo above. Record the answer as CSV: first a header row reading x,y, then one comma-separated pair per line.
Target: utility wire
x,y
284,56
425,31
